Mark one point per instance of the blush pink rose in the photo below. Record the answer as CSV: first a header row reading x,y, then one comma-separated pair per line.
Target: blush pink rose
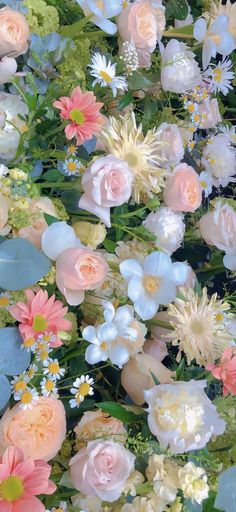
x,y
142,24
101,469
156,348
209,109
226,371
14,33
39,432
219,227
99,423
78,270
106,183
183,192
172,148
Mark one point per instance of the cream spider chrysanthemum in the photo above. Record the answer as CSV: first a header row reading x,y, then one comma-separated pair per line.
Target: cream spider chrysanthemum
x,y
220,77
53,369
27,398
82,387
48,387
124,139
105,74
199,326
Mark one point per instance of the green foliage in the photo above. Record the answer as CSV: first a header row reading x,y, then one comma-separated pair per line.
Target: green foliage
x,y
177,8
117,411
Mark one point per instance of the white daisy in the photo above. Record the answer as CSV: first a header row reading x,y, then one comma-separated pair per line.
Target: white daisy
x,y
72,167
207,182
30,344
48,387
105,74
31,371
53,369
62,507
6,301
82,387
19,384
220,77
27,398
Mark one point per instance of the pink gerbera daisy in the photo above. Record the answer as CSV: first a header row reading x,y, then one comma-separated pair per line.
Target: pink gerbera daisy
x,y
83,112
41,315
21,480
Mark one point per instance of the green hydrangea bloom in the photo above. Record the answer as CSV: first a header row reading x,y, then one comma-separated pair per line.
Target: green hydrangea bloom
x,y
72,70
42,18
60,209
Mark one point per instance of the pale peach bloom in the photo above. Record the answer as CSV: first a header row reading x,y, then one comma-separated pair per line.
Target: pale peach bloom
x,y
95,424
142,23
39,432
209,110
14,33
218,227
78,270
5,203
183,192
102,469
136,376
156,348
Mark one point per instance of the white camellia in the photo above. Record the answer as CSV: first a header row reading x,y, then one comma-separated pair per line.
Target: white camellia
x,y
11,106
153,283
179,71
181,416
219,159
168,226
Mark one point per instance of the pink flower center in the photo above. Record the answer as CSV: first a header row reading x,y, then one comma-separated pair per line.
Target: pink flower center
x,y
77,116
11,489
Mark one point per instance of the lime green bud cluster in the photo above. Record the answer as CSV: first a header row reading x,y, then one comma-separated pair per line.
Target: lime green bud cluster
x,y
42,18
72,70
60,209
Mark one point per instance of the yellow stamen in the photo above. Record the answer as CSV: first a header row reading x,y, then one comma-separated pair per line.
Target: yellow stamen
x,y
84,389
26,397
77,116
39,323
217,75
20,385
105,76
49,385
11,489
71,166
151,283
4,302
54,368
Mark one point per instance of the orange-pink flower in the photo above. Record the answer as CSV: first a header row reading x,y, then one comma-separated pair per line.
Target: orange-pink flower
x,y
226,371
21,480
41,315
83,112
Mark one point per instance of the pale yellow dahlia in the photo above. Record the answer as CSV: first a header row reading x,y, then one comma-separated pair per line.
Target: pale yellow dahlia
x,y
124,139
199,326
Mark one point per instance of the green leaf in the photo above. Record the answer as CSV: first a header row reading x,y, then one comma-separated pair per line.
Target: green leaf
x,y
179,370
155,379
186,30
177,8
109,245
50,219
126,100
119,412
138,81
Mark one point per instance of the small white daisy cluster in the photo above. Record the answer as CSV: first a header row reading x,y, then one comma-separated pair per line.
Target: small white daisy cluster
x,y
129,56
72,166
105,74
192,101
6,301
62,507
82,387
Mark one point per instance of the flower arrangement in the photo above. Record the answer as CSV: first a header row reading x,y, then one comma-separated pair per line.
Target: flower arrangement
x,y
117,256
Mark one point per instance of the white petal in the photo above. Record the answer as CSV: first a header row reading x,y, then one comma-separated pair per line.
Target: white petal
x,y
74,298
226,45
146,307
167,292
109,311
199,30
119,355
102,212
157,264
208,51
230,261
221,24
124,315
179,272
107,332
94,354
135,288
130,268
89,333
58,237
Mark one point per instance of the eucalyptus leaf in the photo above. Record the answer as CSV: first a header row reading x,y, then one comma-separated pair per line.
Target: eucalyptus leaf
x,y
13,359
226,496
21,264
5,391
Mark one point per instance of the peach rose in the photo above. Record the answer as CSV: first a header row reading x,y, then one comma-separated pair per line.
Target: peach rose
x,y
183,192
136,376
14,33
101,469
142,24
219,227
4,209
39,432
209,109
78,270
99,424
35,231
156,348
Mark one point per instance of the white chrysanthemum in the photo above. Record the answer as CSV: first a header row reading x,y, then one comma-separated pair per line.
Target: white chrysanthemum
x,y
181,415
163,474
219,158
168,227
198,326
220,77
193,482
53,370
72,167
105,74
11,106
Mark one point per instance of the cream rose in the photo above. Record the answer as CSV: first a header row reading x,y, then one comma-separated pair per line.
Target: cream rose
x,y
183,192
102,469
219,227
98,424
14,33
39,432
172,148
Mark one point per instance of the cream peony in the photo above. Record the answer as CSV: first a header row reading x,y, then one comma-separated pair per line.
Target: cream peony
x,y
169,228
218,227
163,473
181,416
193,482
179,71
11,106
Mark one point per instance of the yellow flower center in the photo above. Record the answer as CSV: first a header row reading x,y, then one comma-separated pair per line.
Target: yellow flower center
x,y
26,397
54,368
77,116
196,118
132,159
99,4
59,509
71,149
191,108
29,343
84,389
105,76
204,184
219,317
49,385
31,373
103,345
44,355
4,302
217,75
124,4
71,166
151,284
20,386
11,489
39,323
215,38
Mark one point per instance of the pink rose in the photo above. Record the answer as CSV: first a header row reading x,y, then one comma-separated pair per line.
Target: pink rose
x,y
39,432
172,148
219,227
8,67
106,183
209,109
101,469
142,24
156,348
78,270
226,371
183,192
14,33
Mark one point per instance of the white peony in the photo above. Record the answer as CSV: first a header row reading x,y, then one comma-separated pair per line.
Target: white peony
x,y
193,482
181,416
163,473
11,106
219,158
180,71
168,226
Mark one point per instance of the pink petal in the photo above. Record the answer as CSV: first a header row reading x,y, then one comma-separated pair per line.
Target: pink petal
x,y
12,457
27,504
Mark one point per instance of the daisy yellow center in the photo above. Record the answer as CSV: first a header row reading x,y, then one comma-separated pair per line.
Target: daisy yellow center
x,y
131,158
59,509
4,301
84,389
54,367
196,118
151,284
124,4
103,345
77,116
46,338
20,386
39,323
197,327
26,397
71,166
71,149
29,343
217,75
105,76
49,385
191,108
31,373
44,355
100,4
11,489
204,184
219,317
